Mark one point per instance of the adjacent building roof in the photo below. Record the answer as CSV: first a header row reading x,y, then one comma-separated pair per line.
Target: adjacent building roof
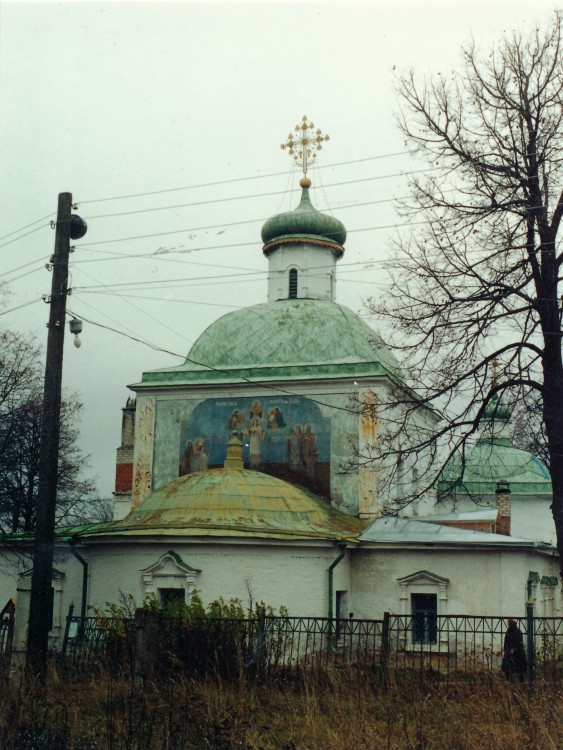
x,y
486,515
388,530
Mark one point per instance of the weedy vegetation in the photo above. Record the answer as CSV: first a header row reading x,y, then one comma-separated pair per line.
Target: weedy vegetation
x,y
115,712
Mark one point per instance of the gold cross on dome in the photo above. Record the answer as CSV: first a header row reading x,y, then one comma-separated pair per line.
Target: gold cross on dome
x,y
303,147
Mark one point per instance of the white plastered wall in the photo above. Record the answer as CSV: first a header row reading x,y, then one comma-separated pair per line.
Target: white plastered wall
x,y
316,267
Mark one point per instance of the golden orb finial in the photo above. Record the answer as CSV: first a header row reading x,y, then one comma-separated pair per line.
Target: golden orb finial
x,y
305,182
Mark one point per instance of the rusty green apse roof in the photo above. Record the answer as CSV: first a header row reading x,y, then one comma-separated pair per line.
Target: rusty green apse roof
x,y
233,503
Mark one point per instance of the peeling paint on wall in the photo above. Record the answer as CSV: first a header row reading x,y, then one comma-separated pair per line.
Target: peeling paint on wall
x,y
144,446
368,501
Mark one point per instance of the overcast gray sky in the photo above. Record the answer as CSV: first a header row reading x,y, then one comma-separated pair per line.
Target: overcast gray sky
x,y
164,120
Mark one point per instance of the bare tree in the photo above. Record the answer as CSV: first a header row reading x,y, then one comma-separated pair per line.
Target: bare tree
x,y
528,431
477,280
21,389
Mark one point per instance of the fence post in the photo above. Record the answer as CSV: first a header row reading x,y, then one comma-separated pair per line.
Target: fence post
x,y
260,643
384,652
67,629
147,642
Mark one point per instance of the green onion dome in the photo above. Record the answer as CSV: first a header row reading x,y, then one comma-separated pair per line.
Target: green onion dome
x,y
490,460
303,223
496,412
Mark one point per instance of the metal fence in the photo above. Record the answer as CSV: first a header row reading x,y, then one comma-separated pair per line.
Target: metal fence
x,y
443,649
292,645
93,642
462,647
222,646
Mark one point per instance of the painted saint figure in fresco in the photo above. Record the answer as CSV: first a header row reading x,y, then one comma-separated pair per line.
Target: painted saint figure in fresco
x,y
256,411
199,458
237,423
275,419
257,434
309,451
186,465
294,449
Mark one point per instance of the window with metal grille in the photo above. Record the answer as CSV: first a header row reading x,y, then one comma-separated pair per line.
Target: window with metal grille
x,y
424,618
292,283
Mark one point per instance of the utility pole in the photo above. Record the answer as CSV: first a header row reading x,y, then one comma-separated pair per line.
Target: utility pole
x,y
41,604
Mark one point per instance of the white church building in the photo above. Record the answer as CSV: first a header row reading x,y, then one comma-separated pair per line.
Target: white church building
x,y
240,475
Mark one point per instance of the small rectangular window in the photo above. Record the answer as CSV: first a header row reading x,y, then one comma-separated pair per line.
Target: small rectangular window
x,y
424,618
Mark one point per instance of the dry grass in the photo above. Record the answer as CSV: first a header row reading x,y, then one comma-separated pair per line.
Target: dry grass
x,y
106,713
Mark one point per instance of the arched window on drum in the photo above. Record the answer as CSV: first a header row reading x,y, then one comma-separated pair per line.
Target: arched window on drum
x,y
292,283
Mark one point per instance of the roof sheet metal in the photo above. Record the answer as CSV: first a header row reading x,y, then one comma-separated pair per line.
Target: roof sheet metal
x,y
487,515
233,503
291,338
407,530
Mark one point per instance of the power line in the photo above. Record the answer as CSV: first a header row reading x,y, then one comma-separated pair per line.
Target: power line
x,y
27,273
243,179
15,231
230,373
225,225
101,312
19,307
25,265
148,315
238,244
190,279
217,200
262,195
15,239
177,301
195,279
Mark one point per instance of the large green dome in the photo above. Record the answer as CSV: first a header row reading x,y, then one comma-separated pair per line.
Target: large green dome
x,y
292,338
302,223
233,503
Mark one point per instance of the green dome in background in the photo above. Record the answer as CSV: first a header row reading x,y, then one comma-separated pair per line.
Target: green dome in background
x,y
496,412
492,459
304,222
233,503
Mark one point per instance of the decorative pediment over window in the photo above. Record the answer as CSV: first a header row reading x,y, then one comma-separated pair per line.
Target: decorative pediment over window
x,y
57,575
169,572
423,576
423,579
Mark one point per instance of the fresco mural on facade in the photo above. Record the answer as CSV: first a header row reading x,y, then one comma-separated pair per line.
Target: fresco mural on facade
x,y
284,436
